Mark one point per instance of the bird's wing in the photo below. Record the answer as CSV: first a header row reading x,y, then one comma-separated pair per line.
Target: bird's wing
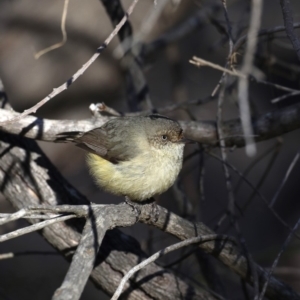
x,y
114,145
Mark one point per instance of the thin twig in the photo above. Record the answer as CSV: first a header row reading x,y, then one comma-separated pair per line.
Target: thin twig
x,y
277,259
264,176
143,31
289,25
63,30
253,164
231,198
23,253
230,38
247,68
137,90
102,108
6,255
12,217
288,172
276,215
48,212
32,228
66,85
261,32
199,62
161,253
181,258
285,97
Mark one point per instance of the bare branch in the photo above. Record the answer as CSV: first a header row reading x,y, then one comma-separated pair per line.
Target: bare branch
x,y
63,30
228,254
241,41
103,109
286,177
277,259
247,69
137,88
49,212
66,85
12,217
61,192
84,258
278,99
35,227
6,255
199,62
154,257
256,191
265,127
289,25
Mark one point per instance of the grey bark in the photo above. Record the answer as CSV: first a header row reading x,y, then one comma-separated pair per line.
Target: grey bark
x,y
28,178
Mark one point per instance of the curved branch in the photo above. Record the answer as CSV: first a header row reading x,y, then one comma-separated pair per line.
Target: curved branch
x,y
230,255
24,169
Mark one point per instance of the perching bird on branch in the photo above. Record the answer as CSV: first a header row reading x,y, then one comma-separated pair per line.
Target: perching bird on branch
x,y
138,157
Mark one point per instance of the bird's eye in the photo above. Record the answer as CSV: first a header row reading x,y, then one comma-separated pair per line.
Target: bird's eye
x,y
164,137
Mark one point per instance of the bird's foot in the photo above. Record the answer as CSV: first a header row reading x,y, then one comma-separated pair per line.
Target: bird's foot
x,y
154,211
135,207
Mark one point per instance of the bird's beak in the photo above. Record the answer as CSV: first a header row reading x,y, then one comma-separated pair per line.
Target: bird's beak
x,y
186,141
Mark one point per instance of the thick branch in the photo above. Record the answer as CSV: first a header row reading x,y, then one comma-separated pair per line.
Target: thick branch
x,y
224,251
28,178
136,85
28,172
265,127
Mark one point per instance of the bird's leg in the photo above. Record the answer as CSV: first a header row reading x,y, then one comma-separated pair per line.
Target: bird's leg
x,y
135,207
154,210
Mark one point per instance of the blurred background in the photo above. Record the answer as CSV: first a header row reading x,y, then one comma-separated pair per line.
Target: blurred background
x,y
200,194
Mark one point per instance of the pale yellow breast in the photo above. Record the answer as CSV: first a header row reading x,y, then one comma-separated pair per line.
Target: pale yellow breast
x,y
140,178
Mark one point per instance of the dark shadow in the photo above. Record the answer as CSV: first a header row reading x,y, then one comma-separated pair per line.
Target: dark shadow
x,y
39,123
7,175
69,82
166,222
94,228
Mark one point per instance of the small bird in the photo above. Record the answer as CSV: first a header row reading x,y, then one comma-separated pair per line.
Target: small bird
x,y
136,157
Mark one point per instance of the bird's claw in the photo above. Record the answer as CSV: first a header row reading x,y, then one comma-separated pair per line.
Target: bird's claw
x,y
135,207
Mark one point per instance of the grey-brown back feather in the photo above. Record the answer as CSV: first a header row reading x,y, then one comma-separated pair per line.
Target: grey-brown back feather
x,y
112,141
94,141
117,140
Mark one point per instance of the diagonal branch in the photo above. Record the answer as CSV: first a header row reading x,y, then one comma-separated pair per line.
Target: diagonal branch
x,y
289,25
44,185
136,84
84,258
66,85
162,252
25,170
230,255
